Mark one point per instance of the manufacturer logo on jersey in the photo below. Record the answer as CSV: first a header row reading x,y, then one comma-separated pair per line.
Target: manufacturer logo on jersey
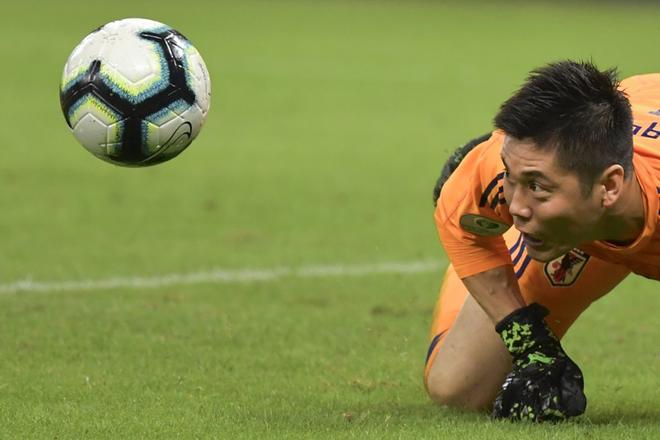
x,y
565,270
651,132
480,225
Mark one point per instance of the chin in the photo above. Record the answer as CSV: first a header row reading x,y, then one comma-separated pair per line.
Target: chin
x,y
547,255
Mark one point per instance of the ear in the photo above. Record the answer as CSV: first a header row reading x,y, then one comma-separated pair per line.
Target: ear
x,y
610,184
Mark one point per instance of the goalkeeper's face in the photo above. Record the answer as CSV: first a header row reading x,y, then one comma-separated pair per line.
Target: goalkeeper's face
x,y
547,202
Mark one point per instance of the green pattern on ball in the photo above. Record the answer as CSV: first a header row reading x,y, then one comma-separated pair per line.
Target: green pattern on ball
x,y
89,104
138,91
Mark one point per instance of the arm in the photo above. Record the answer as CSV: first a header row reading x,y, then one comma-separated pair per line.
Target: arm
x,y
497,292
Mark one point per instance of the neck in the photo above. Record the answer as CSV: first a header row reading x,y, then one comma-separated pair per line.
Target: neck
x,y
624,221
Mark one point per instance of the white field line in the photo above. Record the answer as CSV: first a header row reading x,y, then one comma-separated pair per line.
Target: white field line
x,y
221,276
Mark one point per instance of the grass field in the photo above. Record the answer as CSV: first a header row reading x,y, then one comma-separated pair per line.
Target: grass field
x,y
310,187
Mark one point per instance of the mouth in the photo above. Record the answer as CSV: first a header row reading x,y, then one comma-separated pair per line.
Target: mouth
x,y
533,242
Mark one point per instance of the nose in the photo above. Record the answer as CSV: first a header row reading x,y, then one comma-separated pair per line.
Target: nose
x,y
518,208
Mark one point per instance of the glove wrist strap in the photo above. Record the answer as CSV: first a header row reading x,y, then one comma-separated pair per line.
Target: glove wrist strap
x,y
524,330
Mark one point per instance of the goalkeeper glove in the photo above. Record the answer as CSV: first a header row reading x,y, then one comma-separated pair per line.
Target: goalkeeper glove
x,y
544,384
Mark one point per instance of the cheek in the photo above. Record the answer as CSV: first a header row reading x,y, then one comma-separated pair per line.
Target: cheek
x,y
558,216
565,218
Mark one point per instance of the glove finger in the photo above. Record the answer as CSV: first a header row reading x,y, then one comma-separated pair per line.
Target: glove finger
x,y
573,371
505,398
573,400
533,398
507,401
562,397
550,406
499,409
524,403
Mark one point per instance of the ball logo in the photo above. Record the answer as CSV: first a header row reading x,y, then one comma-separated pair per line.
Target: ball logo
x,y
565,270
484,226
180,138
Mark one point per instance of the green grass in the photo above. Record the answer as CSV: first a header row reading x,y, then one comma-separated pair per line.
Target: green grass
x,y
329,123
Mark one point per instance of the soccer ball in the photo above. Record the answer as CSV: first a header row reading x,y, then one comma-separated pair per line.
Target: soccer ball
x,y
135,92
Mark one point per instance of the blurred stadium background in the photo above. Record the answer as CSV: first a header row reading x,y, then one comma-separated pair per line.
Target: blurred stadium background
x,y
277,279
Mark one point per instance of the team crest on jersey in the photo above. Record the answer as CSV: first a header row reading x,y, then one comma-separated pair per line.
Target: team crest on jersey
x,y
565,270
480,225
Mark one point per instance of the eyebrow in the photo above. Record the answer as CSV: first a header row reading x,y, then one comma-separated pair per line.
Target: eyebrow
x,y
529,174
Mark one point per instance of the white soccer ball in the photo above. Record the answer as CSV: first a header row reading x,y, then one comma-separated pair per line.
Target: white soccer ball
x,y
135,92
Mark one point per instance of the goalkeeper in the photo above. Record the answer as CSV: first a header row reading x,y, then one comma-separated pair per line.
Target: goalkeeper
x,y
574,167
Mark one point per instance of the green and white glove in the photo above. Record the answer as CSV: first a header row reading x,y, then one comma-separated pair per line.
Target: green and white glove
x,y
544,384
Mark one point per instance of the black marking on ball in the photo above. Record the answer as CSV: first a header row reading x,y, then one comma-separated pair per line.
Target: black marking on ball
x,y
172,44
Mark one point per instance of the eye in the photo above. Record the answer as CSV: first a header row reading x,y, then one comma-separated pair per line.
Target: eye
x,y
536,188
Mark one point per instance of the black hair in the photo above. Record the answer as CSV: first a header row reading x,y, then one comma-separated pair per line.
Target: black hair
x,y
577,109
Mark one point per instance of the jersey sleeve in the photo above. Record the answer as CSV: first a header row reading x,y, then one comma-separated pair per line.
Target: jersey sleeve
x,y
471,214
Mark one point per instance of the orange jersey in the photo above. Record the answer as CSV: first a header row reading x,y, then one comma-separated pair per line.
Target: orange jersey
x,y
471,213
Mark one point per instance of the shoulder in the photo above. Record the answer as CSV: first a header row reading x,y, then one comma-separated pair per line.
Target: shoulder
x,y
486,163
478,167
486,156
643,91
475,187
642,87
